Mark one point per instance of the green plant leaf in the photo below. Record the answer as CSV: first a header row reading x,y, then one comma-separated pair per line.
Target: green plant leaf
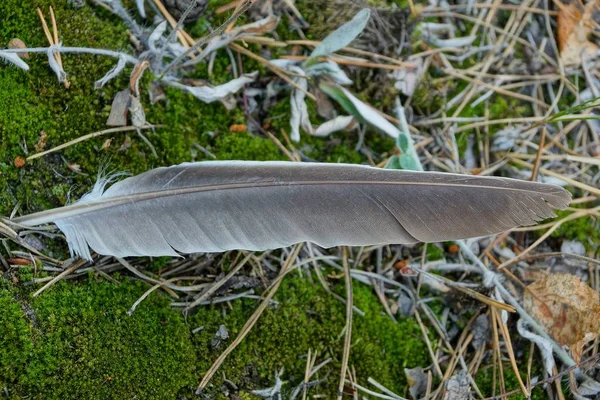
x,y
360,110
342,36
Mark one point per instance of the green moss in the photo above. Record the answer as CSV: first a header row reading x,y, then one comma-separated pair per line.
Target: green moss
x,y
86,346
309,318
83,332
243,146
585,230
484,380
15,339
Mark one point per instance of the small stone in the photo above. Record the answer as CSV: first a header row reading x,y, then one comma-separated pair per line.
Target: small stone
x,y
17,43
19,162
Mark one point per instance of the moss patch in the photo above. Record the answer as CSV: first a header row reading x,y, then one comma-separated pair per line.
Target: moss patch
x,y
86,346
77,341
309,318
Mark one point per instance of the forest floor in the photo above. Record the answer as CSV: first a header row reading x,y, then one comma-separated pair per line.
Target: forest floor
x,y
484,88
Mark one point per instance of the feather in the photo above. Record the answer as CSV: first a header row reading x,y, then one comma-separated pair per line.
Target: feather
x,y
223,205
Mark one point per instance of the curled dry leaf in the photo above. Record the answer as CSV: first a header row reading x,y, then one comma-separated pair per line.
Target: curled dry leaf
x,y
17,43
119,109
574,27
567,308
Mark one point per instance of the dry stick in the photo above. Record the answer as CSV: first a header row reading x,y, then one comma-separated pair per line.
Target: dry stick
x,y
276,70
227,7
89,136
55,32
215,286
252,320
60,276
575,215
436,366
348,334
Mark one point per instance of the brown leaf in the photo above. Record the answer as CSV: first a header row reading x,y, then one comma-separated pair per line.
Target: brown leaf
x,y
567,308
574,27
17,43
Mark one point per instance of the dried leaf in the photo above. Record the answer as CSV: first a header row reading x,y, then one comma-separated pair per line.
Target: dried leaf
x,y
337,124
342,36
156,35
408,78
140,7
138,115
458,387
453,42
567,307
106,144
208,94
54,65
119,109
330,69
17,43
299,111
417,382
574,27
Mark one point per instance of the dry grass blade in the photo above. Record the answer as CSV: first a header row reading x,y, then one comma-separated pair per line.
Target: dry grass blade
x,y
76,264
353,62
509,350
568,180
89,136
52,37
348,329
252,320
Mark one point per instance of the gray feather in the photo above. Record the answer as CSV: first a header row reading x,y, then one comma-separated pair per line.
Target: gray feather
x,y
225,205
